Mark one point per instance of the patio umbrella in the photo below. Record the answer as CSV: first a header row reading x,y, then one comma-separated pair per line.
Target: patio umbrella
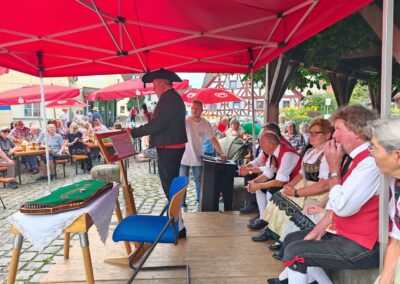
x,y
129,89
210,96
31,94
68,103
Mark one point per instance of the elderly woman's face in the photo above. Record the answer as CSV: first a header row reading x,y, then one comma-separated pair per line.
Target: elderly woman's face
x,y
387,163
51,129
291,128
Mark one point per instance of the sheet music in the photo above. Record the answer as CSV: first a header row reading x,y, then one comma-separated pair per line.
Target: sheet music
x,y
123,145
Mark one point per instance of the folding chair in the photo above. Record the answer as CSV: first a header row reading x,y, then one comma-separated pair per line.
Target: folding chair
x,y
155,229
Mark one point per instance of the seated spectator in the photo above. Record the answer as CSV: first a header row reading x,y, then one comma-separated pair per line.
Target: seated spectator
x,y
99,127
223,125
87,131
57,150
76,146
309,187
208,147
347,236
13,124
281,165
235,129
304,130
295,139
7,149
19,133
385,150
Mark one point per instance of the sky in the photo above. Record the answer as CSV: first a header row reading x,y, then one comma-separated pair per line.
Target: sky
x,y
195,79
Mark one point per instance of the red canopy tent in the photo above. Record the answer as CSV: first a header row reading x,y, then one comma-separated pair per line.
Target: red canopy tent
x,y
72,38
31,95
129,89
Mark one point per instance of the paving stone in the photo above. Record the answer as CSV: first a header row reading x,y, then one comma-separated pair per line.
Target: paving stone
x,y
37,277
24,275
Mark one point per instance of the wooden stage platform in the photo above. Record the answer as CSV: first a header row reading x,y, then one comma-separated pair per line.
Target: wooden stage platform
x,y
218,249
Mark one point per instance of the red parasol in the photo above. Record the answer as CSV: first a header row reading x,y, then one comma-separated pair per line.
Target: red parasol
x,y
129,89
31,95
210,96
68,103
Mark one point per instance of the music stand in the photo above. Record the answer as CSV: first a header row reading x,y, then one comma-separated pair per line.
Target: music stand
x,y
115,147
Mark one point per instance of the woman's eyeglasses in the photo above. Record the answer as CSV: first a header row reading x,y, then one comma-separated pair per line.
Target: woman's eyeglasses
x,y
371,150
315,133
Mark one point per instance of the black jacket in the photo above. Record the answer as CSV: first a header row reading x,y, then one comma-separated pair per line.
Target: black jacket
x,y
167,127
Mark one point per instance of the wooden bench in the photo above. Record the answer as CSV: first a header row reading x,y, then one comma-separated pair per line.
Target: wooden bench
x,y
353,276
5,180
59,162
83,159
3,170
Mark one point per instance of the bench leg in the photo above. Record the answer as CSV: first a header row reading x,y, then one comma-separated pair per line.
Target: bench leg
x,y
12,272
83,237
67,237
55,170
64,170
76,167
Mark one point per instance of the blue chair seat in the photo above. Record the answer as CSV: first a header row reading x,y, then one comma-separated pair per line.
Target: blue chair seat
x,y
144,228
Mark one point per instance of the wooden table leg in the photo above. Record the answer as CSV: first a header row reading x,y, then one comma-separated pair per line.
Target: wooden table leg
x,y
83,237
120,218
67,237
12,272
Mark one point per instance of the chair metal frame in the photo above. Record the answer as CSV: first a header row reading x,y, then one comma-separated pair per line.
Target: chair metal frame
x,y
173,207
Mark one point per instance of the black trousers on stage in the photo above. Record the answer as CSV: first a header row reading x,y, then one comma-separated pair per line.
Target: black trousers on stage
x,y
169,161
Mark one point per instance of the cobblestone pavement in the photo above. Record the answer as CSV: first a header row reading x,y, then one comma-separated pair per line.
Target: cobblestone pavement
x,y
148,194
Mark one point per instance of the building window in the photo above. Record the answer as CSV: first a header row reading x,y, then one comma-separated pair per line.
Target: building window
x,y
122,109
232,84
32,110
259,104
236,105
286,104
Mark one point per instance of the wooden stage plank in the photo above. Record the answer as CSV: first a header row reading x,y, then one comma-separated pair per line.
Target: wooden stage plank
x,y
218,249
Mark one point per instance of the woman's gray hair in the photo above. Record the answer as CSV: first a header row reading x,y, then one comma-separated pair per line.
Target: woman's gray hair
x,y
387,132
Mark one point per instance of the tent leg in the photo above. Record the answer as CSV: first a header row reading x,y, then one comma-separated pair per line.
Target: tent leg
x,y
43,109
253,112
386,87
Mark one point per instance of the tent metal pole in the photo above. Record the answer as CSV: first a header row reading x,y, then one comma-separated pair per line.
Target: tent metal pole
x,y
43,109
266,98
386,90
253,112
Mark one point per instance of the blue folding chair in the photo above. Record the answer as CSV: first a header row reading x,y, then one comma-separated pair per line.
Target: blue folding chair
x,y
154,229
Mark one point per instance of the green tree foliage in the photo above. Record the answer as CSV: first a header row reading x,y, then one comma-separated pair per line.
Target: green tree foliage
x,y
318,101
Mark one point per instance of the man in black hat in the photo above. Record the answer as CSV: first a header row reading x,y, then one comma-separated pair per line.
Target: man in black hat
x,y
167,127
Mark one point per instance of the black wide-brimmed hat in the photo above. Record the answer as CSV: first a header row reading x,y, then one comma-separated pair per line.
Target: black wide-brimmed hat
x,y
161,74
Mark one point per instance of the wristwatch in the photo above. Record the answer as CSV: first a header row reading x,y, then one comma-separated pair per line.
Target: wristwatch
x,y
332,175
296,193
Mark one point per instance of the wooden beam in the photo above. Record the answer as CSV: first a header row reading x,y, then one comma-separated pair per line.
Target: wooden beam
x,y
343,86
372,14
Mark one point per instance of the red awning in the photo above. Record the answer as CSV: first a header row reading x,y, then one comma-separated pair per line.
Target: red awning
x,y
71,38
67,103
31,95
129,89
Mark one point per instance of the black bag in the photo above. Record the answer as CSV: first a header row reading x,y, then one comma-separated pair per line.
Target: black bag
x,y
79,152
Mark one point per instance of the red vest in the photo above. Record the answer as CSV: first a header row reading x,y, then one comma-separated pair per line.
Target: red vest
x,y
363,226
285,149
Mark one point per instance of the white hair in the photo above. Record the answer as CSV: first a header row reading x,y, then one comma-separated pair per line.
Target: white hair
x,y
386,132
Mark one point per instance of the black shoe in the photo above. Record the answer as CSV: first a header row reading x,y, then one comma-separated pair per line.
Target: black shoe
x,y
275,246
13,185
277,281
277,256
42,178
182,234
262,236
251,208
252,220
257,225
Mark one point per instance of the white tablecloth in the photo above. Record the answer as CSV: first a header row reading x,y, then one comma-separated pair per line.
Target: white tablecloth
x,y
41,230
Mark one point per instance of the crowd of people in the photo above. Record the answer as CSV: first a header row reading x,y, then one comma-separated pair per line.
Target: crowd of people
x,y
65,138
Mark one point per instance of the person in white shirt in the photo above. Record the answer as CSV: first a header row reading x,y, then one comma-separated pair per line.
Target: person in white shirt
x,y
347,236
198,130
64,118
386,151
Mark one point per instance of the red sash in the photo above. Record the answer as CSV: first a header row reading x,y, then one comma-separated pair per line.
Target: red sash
x,y
363,226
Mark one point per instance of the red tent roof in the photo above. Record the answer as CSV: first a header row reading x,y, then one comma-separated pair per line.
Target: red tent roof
x,y
67,103
129,89
31,95
130,36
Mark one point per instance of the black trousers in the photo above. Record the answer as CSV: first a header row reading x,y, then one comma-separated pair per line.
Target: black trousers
x,y
169,161
250,198
332,252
